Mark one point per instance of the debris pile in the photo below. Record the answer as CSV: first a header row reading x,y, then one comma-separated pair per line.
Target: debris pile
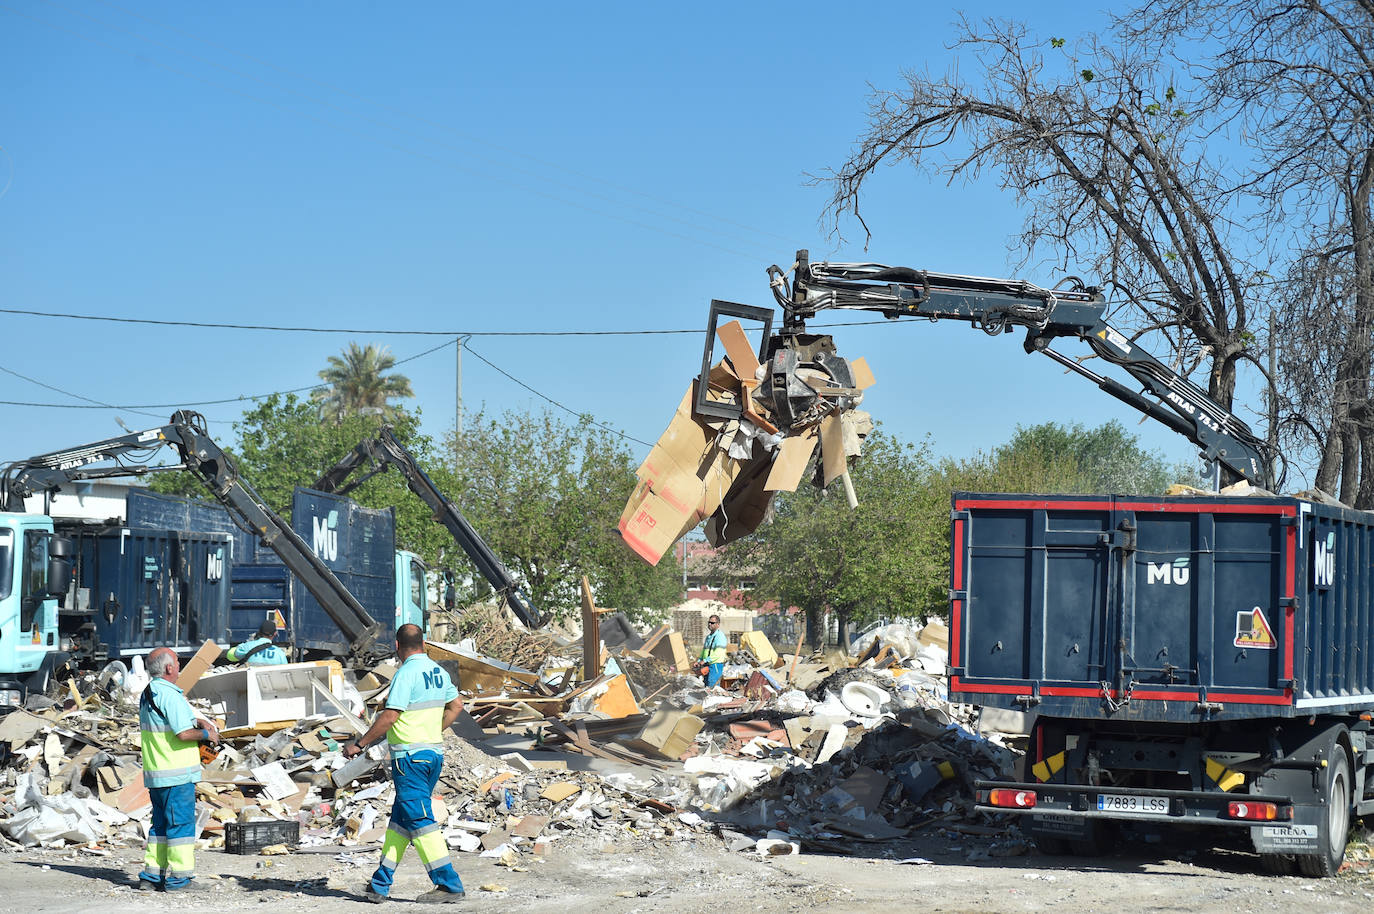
x,y
789,753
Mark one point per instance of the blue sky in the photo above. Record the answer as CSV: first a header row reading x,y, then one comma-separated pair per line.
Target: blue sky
x,y
459,167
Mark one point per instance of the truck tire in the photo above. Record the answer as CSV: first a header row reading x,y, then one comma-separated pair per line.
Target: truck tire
x,y
1334,828
1050,845
1278,864
1100,841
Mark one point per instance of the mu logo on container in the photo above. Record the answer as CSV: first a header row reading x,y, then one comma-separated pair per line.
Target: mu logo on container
x,y
1175,572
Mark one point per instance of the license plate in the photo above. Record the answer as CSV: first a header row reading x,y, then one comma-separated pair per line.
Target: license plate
x,y
1132,805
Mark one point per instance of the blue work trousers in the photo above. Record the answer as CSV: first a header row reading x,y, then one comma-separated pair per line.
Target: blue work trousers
x,y
713,674
412,822
169,859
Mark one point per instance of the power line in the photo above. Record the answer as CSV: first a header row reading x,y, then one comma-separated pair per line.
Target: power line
x,y
142,406
376,331
549,399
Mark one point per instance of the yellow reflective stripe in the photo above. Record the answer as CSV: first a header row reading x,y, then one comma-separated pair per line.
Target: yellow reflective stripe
x,y
1048,768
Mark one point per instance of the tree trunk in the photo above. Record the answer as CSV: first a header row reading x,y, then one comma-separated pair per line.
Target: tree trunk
x,y
815,634
1364,496
1350,463
1329,468
1221,380
843,638
1362,238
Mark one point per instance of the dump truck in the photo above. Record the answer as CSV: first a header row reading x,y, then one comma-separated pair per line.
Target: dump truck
x,y
357,543
1198,661
36,563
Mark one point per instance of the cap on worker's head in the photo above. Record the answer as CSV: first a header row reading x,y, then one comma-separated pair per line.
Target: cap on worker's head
x,y
267,629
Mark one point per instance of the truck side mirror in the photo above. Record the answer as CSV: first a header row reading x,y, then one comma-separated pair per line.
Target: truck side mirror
x,y
60,565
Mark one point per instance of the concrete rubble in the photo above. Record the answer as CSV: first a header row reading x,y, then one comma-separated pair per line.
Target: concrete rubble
x,y
789,755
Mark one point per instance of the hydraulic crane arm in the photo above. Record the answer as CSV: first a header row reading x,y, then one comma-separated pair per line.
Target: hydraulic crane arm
x,y
204,459
996,305
386,451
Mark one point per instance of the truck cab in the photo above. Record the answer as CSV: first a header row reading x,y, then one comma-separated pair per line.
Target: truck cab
x,y
412,590
34,569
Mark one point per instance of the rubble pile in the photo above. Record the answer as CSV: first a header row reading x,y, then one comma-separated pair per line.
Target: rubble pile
x,y
789,753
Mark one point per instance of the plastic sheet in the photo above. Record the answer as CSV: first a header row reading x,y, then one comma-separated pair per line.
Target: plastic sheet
x,y
63,818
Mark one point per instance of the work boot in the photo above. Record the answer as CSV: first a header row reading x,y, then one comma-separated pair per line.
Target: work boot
x,y
192,886
440,896
374,896
143,885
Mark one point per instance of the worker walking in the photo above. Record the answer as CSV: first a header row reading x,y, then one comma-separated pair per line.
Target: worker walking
x,y
259,651
713,651
170,733
422,704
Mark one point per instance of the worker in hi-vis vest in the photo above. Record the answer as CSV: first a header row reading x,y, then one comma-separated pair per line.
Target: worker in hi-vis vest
x,y
713,651
260,651
171,734
422,704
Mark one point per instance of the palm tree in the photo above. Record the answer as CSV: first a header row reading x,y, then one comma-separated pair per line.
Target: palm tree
x,y
358,382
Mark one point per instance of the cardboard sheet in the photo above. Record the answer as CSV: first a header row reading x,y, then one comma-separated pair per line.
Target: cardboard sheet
x,y
738,348
832,448
790,463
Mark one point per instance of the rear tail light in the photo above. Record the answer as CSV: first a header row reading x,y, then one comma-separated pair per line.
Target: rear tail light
x,y
1258,811
1012,799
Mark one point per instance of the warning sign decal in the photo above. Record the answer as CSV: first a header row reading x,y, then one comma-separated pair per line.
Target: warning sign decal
x,y
279,619
1252,630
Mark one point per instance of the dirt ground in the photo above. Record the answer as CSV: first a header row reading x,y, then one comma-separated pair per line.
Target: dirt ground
x,y
701,875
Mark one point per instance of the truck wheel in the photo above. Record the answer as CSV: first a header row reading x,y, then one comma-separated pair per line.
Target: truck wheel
x,y
1100,840
1050,846
1278,864
1332,832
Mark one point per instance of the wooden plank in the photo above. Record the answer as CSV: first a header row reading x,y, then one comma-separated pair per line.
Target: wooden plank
x,y
591,634
653,639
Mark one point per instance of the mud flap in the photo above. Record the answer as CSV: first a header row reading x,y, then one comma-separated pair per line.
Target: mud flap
x,y
1302,835
1063,827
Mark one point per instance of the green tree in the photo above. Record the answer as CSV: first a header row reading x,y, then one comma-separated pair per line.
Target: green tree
x,y
358,382
1043,459
872,561
1102,460
546,495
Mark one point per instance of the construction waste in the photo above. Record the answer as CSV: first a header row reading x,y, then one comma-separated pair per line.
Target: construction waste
x,y
789,755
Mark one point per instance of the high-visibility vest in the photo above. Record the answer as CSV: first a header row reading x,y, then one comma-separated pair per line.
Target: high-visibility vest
x,y
168,760
713,648
419,690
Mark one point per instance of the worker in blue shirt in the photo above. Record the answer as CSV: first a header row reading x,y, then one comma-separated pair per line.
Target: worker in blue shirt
x,y
260,651
713,651
170,734
422,704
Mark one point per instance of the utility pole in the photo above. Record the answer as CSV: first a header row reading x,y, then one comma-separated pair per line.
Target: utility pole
x,y
458,396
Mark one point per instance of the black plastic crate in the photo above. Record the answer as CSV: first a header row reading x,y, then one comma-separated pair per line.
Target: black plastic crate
x,y
250,837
